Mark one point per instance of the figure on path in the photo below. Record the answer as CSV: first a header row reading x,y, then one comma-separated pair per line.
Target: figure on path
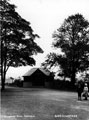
x,y
85,91
79,89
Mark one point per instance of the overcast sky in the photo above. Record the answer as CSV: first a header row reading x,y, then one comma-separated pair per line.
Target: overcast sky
x,y
45,17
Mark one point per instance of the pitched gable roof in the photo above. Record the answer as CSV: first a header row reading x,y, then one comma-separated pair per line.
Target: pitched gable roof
x,y
30,72
46,72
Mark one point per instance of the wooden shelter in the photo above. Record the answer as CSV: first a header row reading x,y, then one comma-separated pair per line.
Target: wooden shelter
x,y
37,77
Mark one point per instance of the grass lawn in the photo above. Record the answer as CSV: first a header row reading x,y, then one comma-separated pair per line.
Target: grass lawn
x,y
42,104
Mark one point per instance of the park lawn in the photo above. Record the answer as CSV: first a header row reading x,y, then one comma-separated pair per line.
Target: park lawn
x,y
42,104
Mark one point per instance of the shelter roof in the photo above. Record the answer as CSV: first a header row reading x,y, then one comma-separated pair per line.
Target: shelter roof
x,y
30,72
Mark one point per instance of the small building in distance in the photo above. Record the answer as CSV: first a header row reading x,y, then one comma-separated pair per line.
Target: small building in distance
x,y
37,77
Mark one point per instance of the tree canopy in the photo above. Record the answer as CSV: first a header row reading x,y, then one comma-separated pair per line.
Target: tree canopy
x,y
17,39
73,39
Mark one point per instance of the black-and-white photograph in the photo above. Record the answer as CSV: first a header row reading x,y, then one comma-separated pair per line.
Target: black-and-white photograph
x,y
44,59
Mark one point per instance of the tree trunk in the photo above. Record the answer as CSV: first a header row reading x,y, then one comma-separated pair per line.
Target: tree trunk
x,y
3,76
3,84
73,80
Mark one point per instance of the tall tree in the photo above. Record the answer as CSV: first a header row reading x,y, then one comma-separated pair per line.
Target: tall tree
x,y
17,40
73,39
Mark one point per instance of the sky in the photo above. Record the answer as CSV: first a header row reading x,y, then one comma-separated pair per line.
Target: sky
x,y
46,16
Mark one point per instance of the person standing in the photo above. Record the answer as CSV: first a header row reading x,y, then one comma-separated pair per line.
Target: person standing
x,y
85,91
79,89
